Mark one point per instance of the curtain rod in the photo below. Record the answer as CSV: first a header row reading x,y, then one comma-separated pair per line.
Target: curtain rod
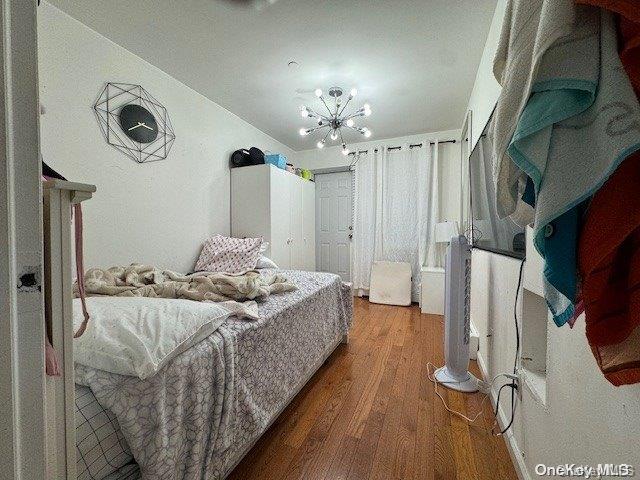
x,y
413,145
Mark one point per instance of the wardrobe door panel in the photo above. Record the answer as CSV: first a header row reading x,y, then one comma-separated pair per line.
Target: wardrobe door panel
x,y
309,225
296,200
250,216
280,218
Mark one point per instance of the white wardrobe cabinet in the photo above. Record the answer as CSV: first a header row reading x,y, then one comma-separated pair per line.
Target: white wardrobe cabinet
x,y
279,206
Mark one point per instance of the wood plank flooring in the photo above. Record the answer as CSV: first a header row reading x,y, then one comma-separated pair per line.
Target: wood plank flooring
x,y
371,413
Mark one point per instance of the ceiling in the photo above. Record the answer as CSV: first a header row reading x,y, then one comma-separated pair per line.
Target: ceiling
x,y
413,61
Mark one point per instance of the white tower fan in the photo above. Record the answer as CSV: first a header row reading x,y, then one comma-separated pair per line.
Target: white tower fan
x,y
455,373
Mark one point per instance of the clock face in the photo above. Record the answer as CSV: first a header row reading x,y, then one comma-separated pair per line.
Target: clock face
x,y
138,123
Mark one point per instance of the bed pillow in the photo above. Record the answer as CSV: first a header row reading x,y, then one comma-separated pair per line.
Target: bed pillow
x,y
265,262
229,255
100,444
137,336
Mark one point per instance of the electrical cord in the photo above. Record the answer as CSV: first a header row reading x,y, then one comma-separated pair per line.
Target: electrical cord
x,y
488,387
484,387
513,385
450,410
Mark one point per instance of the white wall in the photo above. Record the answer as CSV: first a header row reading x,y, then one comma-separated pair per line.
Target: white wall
x,y
448,156
155,213
486,89
583,418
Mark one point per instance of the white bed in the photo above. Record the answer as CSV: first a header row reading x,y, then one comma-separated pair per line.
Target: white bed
x,y
202,413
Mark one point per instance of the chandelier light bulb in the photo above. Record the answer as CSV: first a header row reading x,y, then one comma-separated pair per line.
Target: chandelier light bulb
x,y
330,123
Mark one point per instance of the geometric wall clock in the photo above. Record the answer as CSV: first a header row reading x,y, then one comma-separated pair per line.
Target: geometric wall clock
x,y
134,122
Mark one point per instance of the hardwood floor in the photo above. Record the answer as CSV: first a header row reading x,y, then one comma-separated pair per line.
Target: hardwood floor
x,y
371,413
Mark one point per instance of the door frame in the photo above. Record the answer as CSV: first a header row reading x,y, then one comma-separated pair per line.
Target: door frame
x,y
22,411
323,171
465,180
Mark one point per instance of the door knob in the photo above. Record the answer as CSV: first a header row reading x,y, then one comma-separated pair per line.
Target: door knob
x,y
350,236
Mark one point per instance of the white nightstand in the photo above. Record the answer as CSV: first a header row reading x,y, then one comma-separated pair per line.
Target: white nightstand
x,y
432,291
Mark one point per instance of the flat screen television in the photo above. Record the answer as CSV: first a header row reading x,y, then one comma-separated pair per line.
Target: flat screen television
x,y
490,232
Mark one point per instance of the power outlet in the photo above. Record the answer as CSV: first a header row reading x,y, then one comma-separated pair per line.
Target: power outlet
x,y
517,378
520,383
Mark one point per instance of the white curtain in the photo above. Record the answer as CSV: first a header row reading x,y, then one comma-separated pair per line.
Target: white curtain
x,y
433,253
364,223
396,208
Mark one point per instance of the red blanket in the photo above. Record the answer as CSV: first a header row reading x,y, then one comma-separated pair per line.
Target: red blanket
x,y
609,263
609,245
629,30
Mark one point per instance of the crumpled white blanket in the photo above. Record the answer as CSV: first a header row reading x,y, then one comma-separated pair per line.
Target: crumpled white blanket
x,y
237,293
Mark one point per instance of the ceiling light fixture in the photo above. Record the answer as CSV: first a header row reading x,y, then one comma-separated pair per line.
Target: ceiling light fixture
x,y
335,121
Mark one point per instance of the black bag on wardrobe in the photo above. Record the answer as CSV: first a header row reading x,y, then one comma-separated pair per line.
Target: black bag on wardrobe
x,y
257,157
240,158
244,157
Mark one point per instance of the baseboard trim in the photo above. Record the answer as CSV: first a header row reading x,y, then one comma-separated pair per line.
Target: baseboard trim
x,y
512,445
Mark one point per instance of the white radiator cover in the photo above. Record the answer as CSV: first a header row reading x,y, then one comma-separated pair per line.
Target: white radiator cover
x,y
390,283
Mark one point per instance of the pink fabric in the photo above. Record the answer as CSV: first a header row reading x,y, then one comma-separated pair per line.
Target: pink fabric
x,y
579,310
77,210
52,365
229,255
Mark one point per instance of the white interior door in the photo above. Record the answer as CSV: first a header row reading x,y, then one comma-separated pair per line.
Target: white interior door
x,y
333,223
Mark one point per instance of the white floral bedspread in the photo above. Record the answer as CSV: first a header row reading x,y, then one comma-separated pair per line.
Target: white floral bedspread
x,y
197,416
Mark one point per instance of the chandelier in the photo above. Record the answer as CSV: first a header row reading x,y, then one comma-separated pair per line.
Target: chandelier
x,y
335,119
